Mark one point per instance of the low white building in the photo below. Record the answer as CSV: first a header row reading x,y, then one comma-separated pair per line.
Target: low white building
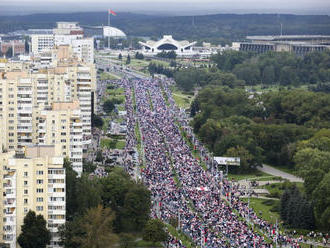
x,y
167,43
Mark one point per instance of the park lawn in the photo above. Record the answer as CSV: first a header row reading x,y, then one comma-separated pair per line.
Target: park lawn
x,y
105,124
112,144
182,99
265,206
108,76
257,175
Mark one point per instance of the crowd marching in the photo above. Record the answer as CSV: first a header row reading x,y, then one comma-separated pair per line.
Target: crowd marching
x,y
208,208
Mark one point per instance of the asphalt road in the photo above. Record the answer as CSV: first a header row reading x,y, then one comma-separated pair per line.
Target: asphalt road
x,y
275,172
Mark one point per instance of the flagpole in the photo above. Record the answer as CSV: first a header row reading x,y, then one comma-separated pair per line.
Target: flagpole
x,y
109,28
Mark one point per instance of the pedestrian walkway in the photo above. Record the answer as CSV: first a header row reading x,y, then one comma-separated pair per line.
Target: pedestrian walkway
x,y
275,172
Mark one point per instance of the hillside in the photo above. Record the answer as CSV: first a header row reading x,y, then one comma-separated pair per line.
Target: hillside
x,y
206,27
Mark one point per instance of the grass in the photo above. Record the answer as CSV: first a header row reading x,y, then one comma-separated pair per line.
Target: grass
x,y
256,175
112,144
106,121
142,244
277,189
186,241
108,76
194,152
263,208
183,100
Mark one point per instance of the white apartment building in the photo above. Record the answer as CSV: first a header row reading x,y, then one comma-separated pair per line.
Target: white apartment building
x,y
66,33
84,49
41,42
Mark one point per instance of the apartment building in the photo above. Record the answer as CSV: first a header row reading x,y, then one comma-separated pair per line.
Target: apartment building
x,y
26,91
61,125
66,33
41,42
31,181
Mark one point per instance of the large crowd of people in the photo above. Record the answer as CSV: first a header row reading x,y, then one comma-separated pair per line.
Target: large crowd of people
x,y
208,209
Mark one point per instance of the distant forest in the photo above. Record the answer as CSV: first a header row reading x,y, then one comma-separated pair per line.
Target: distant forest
x,y
220,28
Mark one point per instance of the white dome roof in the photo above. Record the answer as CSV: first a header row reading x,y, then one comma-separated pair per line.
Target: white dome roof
x,y
113,32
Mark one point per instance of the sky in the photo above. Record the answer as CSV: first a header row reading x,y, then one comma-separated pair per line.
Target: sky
x,y
169,7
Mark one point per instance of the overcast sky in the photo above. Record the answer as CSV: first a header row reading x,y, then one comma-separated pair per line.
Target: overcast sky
x,y
170,6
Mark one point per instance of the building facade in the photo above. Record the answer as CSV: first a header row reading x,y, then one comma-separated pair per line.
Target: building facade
x,y
32,181
167,43
28,95
298,44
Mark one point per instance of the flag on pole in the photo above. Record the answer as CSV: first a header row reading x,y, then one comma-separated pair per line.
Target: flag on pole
x,y
112,12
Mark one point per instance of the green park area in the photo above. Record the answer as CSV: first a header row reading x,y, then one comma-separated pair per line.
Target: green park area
x,y
182,99
108,76
267,209
112,143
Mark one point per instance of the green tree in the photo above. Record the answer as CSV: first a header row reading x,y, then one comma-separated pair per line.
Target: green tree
x,y
108,106
244,155
91,230
70,192
127,240
88,193
97,121
34,232
268,75
99,156
154,231
136,209
128,60
321,198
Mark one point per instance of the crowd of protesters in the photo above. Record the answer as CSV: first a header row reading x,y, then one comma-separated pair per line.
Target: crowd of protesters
x,y
208,209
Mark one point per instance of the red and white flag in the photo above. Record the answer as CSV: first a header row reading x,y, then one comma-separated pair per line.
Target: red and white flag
x,y
111,12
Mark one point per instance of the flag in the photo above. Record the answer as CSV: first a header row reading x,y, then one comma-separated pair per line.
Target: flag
x,y
112,12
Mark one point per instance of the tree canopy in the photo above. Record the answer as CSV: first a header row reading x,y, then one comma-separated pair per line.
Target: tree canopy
x,y
34,232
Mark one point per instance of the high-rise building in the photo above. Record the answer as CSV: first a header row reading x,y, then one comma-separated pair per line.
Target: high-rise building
x,y
31,181
27,92
61,125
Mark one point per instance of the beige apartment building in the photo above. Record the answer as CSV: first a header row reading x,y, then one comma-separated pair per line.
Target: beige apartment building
x,y
27,92
62,125
34,181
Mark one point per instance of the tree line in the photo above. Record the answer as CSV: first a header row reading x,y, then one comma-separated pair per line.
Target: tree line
x,y
285,128
276,67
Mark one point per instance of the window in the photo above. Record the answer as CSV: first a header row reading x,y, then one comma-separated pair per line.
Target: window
x,y
25,183
25,201
40,199
26,192
40,172
25,210
25,174
40,208
40,181
40,190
